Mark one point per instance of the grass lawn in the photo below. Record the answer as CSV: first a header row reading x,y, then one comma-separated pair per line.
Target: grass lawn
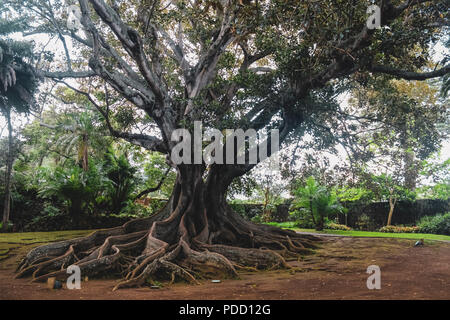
x,y
11,241
373,234
37,237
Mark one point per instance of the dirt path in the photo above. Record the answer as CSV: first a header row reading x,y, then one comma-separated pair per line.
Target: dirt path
x,y
337,271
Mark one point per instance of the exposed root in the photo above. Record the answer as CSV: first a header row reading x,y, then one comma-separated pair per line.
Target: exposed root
x,y
244,268
172,246
258,259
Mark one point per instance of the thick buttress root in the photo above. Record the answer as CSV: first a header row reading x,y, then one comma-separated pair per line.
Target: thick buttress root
x,y
169,245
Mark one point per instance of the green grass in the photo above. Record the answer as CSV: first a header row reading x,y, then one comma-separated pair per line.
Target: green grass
x,y
287,225
373,234
11,241
38,237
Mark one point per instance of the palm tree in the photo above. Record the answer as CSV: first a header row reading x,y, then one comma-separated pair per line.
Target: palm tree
x,y
18,83
122,180
74,186
79,132
317,200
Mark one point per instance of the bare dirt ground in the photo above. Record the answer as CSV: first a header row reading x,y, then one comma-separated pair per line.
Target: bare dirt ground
x,y
336,271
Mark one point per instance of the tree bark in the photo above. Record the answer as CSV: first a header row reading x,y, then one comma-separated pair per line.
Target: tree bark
x,y
312,211
195,236
320,223
9,163
391,210
410,170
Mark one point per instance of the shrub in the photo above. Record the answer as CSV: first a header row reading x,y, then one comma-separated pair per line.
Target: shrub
x,y
137,210
239,208
256,219
305,224
438,224
286,224
399,229
9,227
317,201
302,219
365,223
336,226
50,222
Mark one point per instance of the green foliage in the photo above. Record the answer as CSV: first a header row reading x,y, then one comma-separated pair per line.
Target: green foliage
x,y
354,194
316,201
55,162
9,227
51,211
439,174
384,187
18,80
238,207
135,210
365,223
438,224
244,185
336,226
248,209
400,229
289,224
74,186
257,219
155,167
121,180
437,191
302,218
51,218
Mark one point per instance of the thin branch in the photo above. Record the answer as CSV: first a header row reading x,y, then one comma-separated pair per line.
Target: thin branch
x,y
131,42
409,75
66,74
148,142
153,189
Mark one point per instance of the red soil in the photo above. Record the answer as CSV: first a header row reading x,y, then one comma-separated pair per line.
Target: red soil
x,y
336,271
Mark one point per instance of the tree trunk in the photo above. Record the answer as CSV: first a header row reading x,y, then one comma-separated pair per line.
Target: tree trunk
x,y
266,214
320,223
196,235
391,210
410,170
9,164
312,212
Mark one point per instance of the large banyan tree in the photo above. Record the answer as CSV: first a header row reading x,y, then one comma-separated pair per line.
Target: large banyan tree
x,y
229,64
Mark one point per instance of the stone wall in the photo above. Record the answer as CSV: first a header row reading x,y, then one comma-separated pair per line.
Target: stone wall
x,y
405,212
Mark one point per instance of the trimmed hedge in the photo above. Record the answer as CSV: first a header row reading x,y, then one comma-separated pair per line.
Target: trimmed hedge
x,y
336,226
399,229
373,216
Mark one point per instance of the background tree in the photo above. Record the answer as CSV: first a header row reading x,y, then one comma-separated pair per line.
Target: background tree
x,y
17,85
409,123
317,200
437,175
268,187
158,176
386,187
77,187
350,197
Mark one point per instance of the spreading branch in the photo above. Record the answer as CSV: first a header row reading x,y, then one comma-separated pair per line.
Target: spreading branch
x,y
409,75
147,142
153,189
